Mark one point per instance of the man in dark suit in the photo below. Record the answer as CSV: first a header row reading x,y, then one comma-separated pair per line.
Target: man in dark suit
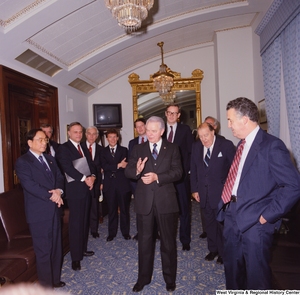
x,y
116,187
265,185
78,192
210,162
181,134
52,145
156,165
140,127
94,151
42,184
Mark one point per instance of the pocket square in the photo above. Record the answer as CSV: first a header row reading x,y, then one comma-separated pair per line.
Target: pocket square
x,y
220,155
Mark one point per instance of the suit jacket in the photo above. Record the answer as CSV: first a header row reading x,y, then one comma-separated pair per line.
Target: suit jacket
x,y
112,175
269,184
131,144
96,162
209,181
67,153
184,139
36,185
168,168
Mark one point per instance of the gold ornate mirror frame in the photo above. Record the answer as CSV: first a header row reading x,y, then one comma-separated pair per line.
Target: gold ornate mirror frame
x,y
146,86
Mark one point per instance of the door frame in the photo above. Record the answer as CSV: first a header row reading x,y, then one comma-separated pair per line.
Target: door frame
x,y
12,77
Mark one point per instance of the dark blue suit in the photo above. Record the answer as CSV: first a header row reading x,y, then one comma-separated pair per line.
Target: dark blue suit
x,y
269,186
116,190
43,215
78,196
209,182
184,139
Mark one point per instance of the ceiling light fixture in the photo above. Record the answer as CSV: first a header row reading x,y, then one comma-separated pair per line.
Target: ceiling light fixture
x,y
163,79
129,13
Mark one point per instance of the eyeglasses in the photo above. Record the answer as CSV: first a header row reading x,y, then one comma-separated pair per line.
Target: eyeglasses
x,y
41,140
172,113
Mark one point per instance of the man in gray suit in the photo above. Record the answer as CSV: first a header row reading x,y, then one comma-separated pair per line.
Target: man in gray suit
x,y
156,165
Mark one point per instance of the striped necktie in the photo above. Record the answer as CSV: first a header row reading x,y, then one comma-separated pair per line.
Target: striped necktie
x,y
154,151
207,158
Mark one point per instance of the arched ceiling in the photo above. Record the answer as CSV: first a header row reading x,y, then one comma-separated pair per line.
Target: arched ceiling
x,y
78,41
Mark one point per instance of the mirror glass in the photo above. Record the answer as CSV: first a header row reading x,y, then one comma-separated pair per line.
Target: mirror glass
x,y
151,104
147,102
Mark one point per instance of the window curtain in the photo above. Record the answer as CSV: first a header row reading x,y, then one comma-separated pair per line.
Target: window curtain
x,y
291,77
280,49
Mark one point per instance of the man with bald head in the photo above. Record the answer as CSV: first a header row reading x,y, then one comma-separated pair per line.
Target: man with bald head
x,y
210,162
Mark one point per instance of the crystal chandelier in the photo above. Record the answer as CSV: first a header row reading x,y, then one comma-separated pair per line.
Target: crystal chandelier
x,y
163,79
129,13
168,98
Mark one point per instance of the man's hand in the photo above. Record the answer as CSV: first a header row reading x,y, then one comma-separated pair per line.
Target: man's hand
x,y
196,196
89,181
56,197
262,220
122,164
149,177
140,165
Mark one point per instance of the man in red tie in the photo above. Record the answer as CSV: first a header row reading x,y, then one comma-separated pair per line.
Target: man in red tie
x,y
77,192
181,134
94,149
261,187
140,128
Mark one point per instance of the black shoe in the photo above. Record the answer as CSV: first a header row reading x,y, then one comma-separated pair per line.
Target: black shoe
x,y
186,247
136,237
59,285
220,260
88,253
203,235
76,265
137,288
109,238
157,236
211,256
95,235
171,287
127,237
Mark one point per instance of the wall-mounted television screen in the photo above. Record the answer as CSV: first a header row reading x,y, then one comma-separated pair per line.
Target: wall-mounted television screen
x,y
107,115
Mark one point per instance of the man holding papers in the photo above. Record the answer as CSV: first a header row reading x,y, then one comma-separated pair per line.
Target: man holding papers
x,y
80,177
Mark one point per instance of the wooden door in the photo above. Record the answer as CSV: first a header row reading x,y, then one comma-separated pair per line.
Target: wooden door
x,y
25,103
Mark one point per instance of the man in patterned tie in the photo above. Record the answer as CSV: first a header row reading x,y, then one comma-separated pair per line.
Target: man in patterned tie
x,y
155,201
265,188
208,175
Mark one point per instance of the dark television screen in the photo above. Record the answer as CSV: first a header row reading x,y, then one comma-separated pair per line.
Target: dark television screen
x,y
108,115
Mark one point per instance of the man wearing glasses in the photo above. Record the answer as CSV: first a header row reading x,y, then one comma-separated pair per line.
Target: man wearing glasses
x,y
181,134
42,183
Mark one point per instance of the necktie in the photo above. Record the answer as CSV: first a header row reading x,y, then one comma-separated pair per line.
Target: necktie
x,y
143,140
207,158
46,167
91,151
79,150
113,152
170,137
154,151
227,190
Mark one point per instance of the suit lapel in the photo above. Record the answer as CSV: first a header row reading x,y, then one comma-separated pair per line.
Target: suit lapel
x,y
40,167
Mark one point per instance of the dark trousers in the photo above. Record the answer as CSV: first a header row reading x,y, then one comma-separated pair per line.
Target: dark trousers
x,y
167,224
247,255
79,226
46,238
184,201
214,229
116,198
94,213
